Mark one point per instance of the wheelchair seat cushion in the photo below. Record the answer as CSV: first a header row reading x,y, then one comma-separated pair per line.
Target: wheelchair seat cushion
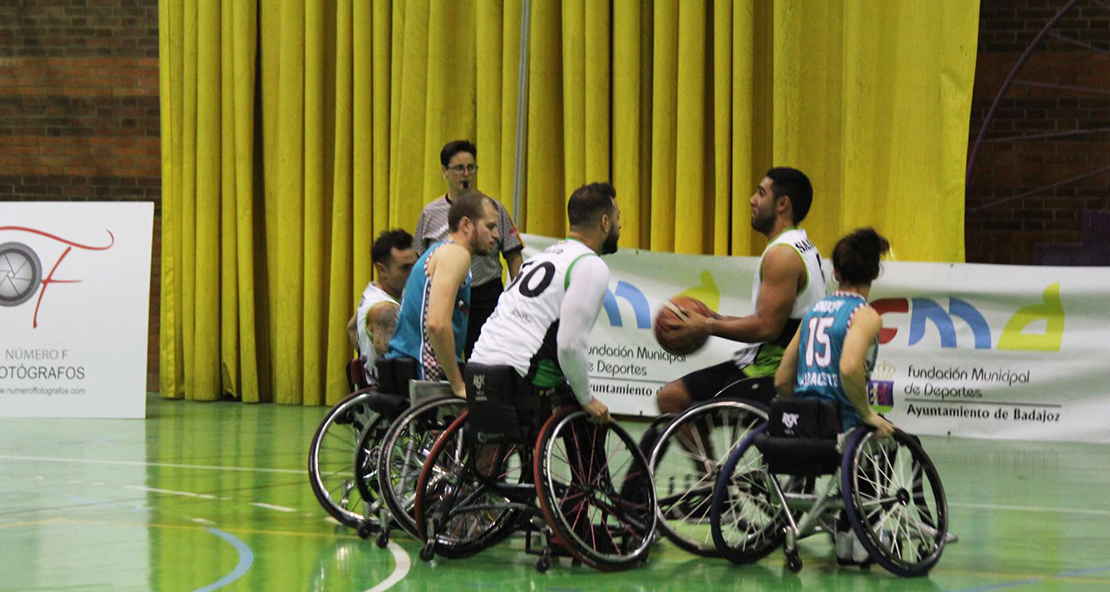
x,y
389,405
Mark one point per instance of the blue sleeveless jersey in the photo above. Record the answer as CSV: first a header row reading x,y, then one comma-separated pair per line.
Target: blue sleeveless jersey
x,y
824,327
410,337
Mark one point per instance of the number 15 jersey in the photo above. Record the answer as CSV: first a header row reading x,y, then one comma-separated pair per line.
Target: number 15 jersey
x,y
522,330
824,328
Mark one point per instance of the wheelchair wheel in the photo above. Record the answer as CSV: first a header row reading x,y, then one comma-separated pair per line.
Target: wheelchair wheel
x,y
366,469
330,453
405,447
686,461
895,501
579,472
746,521
458,509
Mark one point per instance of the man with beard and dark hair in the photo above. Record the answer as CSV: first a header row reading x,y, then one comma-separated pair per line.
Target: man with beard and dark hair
x,y
542,322
432,325
788,281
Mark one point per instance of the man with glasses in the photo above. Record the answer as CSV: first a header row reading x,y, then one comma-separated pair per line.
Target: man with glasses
x,y
459,170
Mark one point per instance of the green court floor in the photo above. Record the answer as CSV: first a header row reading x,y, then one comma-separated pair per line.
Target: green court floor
x,y
214,496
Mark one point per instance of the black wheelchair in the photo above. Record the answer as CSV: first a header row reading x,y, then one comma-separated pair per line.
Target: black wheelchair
x,y
524,458
794,475
687,451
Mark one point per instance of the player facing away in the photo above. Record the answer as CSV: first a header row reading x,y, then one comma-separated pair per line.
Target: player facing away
x,y
542,321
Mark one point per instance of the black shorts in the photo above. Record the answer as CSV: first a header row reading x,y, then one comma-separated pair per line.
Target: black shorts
x,y
708,383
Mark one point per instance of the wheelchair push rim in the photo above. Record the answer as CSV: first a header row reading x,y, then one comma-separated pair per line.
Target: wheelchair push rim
x,y
895,501
579,491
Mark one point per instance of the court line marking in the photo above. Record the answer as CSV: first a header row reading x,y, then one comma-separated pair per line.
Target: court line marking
x,y
402,564
152,464
273,507
1031,509
170,492
246,560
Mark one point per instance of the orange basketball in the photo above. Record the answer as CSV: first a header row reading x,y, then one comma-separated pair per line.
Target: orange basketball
x,y
674,309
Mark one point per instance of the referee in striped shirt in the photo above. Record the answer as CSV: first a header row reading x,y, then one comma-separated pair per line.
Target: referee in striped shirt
x,y
459,169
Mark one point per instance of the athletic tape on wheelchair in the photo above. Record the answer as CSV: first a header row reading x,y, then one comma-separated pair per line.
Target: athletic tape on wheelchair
x,y
986,351
74,302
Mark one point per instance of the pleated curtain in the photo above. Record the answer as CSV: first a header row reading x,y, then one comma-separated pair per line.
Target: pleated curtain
x,y
294,131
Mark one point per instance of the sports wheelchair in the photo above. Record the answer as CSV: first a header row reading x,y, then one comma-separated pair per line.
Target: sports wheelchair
x,y
687,451
789,478
351,432
491,468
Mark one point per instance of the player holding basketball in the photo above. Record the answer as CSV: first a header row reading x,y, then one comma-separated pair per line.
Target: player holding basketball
x,y
542,322
789,280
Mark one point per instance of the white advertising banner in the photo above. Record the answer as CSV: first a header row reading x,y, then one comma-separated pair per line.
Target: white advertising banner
x,y
74,303
970,350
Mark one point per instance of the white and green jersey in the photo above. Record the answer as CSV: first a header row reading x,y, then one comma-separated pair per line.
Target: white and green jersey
x,y
762,359
541,324
371,297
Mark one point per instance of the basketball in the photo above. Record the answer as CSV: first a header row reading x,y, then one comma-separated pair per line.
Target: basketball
x,y
672,309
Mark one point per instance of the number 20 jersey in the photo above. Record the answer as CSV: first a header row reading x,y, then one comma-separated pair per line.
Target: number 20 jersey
x,y
521,332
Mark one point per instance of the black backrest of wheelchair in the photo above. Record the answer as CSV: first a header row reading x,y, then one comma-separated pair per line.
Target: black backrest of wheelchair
x,y
504,407
394,375
801,437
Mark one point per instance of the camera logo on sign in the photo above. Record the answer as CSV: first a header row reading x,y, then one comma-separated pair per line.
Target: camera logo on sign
x,y
789,420
20,273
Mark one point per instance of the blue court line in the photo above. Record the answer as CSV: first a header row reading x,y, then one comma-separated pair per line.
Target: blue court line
x,y
1084,572
246,560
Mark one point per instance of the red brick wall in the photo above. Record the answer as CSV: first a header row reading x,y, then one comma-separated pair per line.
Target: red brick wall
x,y
79,109
1010,232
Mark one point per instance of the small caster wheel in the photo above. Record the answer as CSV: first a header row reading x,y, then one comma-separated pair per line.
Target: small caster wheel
x,y
364,530
544,562
794,562
428,551
382,540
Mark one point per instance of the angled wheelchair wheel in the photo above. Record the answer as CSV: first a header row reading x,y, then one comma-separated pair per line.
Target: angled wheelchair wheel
x,y
894,501
579,471
747,521
405,447
331,454
459,508
686,462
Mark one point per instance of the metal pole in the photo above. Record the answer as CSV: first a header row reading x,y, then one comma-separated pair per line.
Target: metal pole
x,y
521,112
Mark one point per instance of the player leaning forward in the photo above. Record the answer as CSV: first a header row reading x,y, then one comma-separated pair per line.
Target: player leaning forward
x,y
542,322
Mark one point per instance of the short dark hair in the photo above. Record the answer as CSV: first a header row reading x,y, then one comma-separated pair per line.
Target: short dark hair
x,y
795,183
589,202
856,256
467,205
453,148
382,251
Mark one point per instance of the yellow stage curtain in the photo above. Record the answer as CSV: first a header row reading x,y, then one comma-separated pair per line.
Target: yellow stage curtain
x,y
294,131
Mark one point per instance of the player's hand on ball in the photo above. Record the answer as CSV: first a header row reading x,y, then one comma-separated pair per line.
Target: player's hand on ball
x,y
596,411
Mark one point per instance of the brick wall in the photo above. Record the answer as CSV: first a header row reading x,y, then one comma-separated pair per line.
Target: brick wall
x,y
1010,232
79,109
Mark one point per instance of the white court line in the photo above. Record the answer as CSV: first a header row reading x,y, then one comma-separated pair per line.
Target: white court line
x,y
273,507
1032,509
169,491
151,464
400,569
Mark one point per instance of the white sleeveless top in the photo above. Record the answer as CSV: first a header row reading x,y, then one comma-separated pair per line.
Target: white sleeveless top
x,y
813,289
522,330
371,297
